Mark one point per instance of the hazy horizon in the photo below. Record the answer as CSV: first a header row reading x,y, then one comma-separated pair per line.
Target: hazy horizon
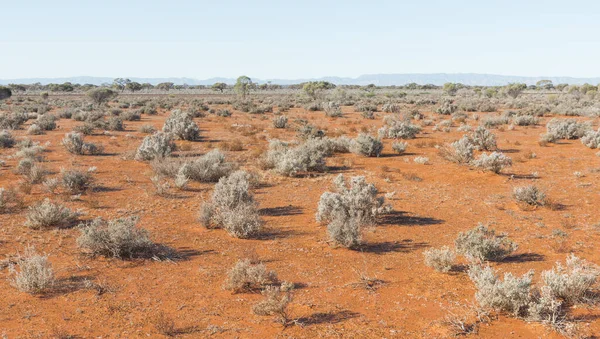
x,y
274,40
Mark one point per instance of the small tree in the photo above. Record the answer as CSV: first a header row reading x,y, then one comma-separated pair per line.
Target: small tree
x,y
120,83
243,85
5,93
101,95
514,90
134,86
450,88
165,86
314,88
219,86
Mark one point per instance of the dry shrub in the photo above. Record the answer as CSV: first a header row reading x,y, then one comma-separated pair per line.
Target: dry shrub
x,y
246,276
47,214
482,243
35,274
441,259
119,238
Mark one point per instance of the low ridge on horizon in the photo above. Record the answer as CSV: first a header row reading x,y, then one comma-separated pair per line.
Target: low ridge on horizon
x,y
471,79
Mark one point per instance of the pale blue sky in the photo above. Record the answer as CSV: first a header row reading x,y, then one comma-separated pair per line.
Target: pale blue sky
x,y
297,39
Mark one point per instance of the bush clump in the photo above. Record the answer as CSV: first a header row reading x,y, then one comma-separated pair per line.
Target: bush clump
x,y
6,139
530,195
291,161
399,146
181,124
573,283
247,276
232,207
440,259
35,274
482,243
74,143
280,121
483,139
349,209
567,128
156,146
494,162
118,238
366,145
511,295
398,129
210,167
47,214
75,181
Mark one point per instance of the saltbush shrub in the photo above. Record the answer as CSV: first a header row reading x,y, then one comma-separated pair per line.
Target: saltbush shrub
x,y
482,243
156,146
349,209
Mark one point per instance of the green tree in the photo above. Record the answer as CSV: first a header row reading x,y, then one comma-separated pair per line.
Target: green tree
x,y
101,95
515,89
243,85
450,88
165,86
219,86
120,84
133,86
5,93
314,88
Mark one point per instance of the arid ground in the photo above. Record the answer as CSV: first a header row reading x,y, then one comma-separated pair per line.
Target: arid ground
x,y
381,289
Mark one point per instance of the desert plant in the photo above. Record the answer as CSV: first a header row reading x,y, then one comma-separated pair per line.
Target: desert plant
x,y
35,274
115,124
483,139
47,214
280,121
482,243
567,128
349,209
275,303
591,139
525,120
399,146
232,207
332,109
6,139
290,161
398,129
247,276
530,195
74,143
101,95
117,238
147,129
9,199
210,167
156,146
572,283
511,295
75,181
34,130
494,162
440,259
460,152
182,125
448,107
46,122
367,145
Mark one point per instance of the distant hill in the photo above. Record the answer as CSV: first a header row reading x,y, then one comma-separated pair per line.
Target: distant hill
x,y
472,79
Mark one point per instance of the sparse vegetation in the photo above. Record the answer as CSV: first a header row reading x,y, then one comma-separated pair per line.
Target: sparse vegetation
x,y
232,207
349,209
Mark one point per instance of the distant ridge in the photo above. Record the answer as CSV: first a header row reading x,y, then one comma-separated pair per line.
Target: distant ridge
x,y
472,79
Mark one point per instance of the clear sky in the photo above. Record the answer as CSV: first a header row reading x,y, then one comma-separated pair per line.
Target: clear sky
x,y
297,39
